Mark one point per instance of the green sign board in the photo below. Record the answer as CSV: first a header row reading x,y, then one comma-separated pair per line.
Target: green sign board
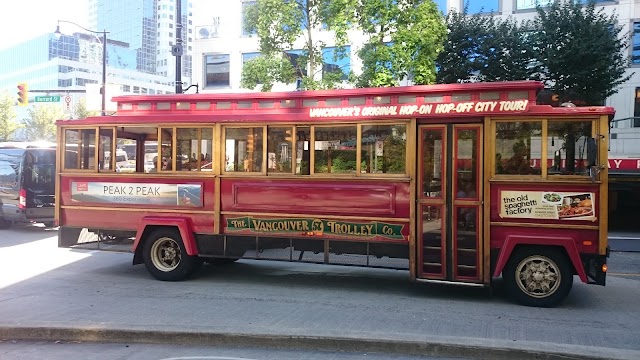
x,y
319,227
47,98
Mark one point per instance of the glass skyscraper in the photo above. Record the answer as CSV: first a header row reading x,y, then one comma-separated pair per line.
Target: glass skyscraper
x,y
149,27
132,22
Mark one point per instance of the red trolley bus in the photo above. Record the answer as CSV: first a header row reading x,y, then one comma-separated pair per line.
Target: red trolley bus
x,y
453,183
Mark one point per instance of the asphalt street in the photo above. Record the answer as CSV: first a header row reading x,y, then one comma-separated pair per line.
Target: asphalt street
x,y
47,293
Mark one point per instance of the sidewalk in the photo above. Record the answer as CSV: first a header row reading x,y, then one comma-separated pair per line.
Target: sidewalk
x,y
624,240
425,345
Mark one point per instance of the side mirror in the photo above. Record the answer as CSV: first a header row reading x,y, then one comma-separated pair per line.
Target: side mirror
x,y
592,156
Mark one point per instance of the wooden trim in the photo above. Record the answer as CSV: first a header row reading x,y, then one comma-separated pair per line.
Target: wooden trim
x,y
312,150
217,206
217,157
546,226
550,180
294,149
489,170
292,215
410,168
265,155
603,154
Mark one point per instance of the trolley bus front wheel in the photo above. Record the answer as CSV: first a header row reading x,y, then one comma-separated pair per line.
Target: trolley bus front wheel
x,y
539,277
166,258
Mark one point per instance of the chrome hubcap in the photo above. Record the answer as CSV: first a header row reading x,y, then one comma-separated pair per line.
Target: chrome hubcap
x,y
538,276
165,254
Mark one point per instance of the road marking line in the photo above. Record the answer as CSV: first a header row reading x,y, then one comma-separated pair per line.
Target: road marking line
x,y
624,274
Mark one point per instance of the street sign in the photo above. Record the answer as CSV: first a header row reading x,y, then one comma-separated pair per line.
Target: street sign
x,y
55,98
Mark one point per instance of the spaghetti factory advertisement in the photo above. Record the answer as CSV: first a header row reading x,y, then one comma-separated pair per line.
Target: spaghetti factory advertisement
x,y
547,205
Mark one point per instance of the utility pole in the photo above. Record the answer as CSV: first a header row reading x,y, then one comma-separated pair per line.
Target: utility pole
x,y
178,49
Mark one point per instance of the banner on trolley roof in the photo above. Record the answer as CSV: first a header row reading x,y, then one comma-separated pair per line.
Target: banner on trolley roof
x,y
187,195
547,205
316,227
467,107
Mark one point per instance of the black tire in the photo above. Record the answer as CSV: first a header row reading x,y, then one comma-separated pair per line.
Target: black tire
x,y
4,224
540,277
165,256
49,224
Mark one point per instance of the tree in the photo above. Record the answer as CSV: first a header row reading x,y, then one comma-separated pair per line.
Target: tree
x,y
404,39
8,122
81,112
458,62
41,122
485,48
582,51
279,25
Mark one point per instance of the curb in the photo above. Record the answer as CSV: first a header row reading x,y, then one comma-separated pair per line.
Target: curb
x,y
468,348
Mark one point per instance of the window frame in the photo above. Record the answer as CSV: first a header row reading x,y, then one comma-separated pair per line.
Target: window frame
x,y
544,156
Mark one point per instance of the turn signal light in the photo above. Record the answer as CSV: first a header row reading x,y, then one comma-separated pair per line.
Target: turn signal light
x,y
604,268
587,243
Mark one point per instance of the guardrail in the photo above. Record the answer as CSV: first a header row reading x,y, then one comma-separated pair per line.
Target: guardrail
x,y
633,122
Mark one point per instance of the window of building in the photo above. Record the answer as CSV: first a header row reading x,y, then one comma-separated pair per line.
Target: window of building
x,y
170,17
383,149
243,149
483,6
336,62
299,61
335,150
245,8
170,34
442,5
216,70
531,4
518,147
170,26
635,55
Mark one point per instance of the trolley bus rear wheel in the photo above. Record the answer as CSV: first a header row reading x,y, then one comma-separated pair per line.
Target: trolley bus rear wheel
x,y
539,277
165,256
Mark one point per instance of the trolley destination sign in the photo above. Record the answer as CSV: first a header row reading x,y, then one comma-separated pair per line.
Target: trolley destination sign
x,y
467,107
310,226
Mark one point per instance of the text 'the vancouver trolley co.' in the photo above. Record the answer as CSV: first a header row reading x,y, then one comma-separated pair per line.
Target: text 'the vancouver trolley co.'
x,y
452,183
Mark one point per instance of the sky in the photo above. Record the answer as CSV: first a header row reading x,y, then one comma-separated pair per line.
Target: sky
x,y
22,20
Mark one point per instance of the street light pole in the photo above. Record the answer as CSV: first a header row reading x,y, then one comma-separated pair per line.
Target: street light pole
x,y
103,87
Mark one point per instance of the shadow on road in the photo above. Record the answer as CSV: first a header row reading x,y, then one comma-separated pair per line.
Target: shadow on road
x,y
19,234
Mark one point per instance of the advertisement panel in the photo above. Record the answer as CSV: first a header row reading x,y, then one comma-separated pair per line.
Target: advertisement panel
x,y
547,205
188,195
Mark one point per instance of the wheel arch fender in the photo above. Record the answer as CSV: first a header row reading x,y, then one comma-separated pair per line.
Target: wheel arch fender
x,y
149,223
567,243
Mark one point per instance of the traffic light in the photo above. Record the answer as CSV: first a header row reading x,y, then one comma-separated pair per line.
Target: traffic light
x,y
23,94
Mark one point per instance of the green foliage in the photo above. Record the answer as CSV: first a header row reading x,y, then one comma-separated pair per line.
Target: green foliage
x,y
279,24
264,71
485,48
81,112
404,39
8,122
41,122
578,52
582,51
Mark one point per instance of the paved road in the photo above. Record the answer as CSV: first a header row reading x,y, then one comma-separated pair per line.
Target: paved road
x,y
96,295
